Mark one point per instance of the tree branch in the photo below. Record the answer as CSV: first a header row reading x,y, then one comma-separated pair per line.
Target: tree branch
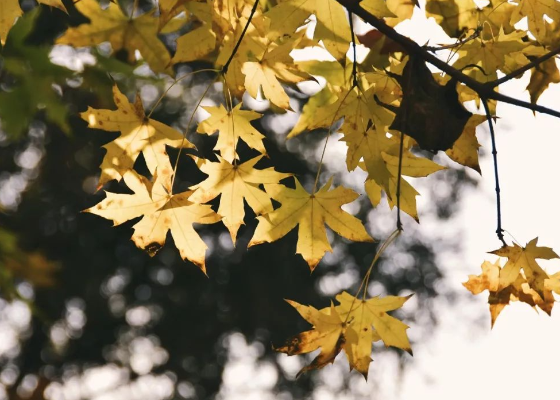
x,y
484,90
536,62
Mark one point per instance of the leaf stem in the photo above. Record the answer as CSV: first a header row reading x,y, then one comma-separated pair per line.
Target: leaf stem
x,y
185,132
499,230
378,254
365,281
159,100
327,141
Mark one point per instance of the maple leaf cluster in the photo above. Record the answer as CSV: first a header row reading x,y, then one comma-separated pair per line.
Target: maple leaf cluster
x,y
389,103
520,279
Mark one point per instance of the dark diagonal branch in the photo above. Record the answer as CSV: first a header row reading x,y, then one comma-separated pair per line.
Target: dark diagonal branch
x,y
484,90
536,62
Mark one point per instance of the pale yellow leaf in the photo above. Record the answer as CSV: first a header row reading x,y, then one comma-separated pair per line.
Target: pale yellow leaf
x,y
161,212
465,149
235,183
138,135
232,126
311,213
9,12
111,25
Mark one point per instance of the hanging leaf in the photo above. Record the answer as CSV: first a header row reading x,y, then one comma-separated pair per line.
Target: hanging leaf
x,y
429,113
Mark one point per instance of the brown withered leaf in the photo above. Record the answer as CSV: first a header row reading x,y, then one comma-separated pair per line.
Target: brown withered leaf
x,y
429,113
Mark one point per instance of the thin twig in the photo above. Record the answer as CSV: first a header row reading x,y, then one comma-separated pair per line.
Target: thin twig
x,y
253,10
457,44
399,223
499,230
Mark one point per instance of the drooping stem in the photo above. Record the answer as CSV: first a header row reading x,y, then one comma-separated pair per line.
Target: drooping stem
x,y
253,10
378,254
499,230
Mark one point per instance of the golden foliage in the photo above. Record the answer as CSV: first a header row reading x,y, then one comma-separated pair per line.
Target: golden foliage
x,y
385,105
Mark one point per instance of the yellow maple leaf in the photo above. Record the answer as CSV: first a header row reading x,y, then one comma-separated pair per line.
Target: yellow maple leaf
x,y
359,110
489,280
123,32
465,148
553,283
161,212
169,11
542,76
353,326
272,64
198,42
232,126
535,11
139,134
361,315
408,195
524,259
505,53
9,12
314,105
377,8
499,297
332,23
252,44
327,334
235,183
311,212
458,17
381,161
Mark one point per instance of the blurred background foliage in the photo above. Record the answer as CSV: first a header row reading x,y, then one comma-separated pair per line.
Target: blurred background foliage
x,y
85,314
